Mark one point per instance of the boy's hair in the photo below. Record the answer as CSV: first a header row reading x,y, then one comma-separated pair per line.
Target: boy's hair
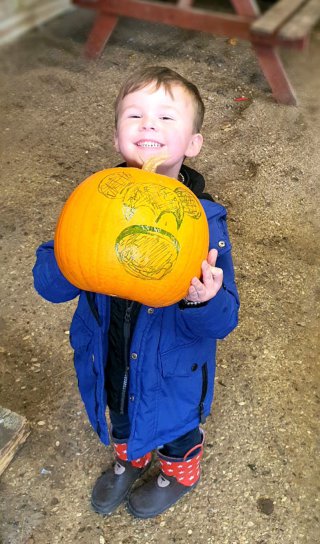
x,y
160,75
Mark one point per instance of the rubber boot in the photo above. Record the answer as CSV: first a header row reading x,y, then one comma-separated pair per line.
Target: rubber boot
x,y
112,487
176,478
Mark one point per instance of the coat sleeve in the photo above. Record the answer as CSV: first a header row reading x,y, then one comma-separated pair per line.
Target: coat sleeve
x,y
49,282
219,316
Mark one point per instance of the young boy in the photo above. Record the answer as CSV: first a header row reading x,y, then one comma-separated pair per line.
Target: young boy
x,y
153,367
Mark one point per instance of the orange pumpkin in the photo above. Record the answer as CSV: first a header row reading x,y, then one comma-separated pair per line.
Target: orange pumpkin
x,y
134,234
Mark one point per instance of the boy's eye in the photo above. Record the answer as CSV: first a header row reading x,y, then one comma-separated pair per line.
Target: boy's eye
x,y
166,118
134,116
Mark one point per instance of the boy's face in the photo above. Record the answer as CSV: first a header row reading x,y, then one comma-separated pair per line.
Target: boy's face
x,y
152,122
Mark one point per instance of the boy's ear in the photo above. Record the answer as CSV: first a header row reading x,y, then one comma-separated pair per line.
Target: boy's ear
x,y
194,146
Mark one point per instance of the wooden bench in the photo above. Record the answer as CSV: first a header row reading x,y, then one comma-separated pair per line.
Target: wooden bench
x,y
287,23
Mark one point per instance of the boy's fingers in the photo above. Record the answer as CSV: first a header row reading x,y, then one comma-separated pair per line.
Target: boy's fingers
x,y
217,274
215,271
207,272
197,285
212,257
204,289
199,289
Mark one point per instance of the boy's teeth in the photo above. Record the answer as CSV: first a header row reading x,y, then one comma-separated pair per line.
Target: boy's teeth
x,y
149,144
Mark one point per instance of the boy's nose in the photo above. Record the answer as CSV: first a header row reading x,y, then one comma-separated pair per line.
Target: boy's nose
x,y
148,123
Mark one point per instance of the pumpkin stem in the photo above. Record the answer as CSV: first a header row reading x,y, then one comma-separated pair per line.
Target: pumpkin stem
x,y
152,164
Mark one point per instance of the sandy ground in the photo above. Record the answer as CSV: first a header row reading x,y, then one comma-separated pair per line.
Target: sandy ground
x,y
260,482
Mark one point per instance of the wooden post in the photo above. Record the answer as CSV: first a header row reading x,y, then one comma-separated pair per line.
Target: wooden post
x,y
14,430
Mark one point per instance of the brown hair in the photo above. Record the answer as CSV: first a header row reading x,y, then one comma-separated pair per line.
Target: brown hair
x,y
162,76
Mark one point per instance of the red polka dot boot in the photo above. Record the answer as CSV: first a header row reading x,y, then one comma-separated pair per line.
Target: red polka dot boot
x,y
176,478
112,487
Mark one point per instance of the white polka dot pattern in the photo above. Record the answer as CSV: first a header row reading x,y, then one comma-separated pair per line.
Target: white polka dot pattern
x,y
121,453
186,472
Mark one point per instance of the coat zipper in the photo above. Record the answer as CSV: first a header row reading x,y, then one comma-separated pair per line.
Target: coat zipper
x,y
126,334
204,370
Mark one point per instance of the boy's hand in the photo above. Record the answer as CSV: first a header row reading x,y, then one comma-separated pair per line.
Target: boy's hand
x,y
212,277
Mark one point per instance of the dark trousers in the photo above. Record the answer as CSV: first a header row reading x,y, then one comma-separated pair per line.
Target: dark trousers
x,y
177,448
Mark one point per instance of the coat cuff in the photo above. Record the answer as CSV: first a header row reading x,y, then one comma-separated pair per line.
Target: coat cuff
x,y
183,304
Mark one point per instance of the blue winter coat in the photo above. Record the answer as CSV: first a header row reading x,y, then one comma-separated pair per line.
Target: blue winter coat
x,y
172,354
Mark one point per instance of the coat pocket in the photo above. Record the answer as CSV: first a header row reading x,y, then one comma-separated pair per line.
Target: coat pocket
x,y
184,360
80,334
184,392
187,382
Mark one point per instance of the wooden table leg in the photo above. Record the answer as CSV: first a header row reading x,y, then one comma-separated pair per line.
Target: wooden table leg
x,y
99,35
268,58
246,7
275,74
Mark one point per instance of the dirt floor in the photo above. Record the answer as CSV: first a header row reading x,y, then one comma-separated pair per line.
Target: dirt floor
x,y
260,482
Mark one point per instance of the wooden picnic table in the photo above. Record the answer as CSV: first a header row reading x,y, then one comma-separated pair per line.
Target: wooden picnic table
x,y
287,23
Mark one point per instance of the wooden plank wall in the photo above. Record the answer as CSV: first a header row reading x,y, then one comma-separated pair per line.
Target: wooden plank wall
x,y
19,16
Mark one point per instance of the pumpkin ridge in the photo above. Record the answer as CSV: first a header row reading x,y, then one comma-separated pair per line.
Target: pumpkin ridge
x,y
79,241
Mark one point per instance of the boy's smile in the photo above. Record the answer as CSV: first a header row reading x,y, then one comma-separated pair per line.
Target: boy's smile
x,y
148,143
157,122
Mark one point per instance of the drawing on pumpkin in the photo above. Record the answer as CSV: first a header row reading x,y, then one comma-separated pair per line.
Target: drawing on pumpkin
x,y
145,251
158,198
112,184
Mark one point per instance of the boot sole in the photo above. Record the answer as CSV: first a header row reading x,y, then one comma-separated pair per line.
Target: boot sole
x,y
105,512
158,512
113,507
